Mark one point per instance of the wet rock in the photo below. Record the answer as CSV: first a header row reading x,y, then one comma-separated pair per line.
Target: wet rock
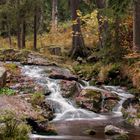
x,y
131,101
97,100
69,88
47,112
113,130
90,99
110,100
2,77
131,111
60,73
37,127
90,132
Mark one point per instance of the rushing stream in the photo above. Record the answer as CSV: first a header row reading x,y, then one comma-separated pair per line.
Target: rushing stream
x,y
66,113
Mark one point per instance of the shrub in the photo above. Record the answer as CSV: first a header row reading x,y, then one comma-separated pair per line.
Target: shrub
x,y
37,99
13,127
110,74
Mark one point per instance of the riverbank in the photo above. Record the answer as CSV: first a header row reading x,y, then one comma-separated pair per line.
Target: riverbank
x,y
97,75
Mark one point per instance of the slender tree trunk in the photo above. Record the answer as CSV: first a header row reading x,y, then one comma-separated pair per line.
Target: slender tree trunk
x,y
18,27
35,30
54,15
78,45
19,36
136,26
103,23
9,35
23,34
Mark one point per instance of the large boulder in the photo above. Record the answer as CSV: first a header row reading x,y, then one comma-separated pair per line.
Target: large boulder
x,y
63,74
69,88
19,105
97,100
2,77
37,59
90,99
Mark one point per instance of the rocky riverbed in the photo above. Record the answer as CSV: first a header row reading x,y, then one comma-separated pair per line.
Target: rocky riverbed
x,y
64,97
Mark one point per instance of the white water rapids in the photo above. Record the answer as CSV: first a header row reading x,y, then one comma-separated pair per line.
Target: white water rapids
x,y
63,108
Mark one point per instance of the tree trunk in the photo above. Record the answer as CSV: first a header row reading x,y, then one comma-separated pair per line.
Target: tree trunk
x,y
35,30
18,27
23,34
103,23
136,26
78,46
9,34
54,15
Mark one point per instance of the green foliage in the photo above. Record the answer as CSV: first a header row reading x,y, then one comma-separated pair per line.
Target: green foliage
x,y
111,54
7,91
12,127
110,74
37,99
84,71
120,6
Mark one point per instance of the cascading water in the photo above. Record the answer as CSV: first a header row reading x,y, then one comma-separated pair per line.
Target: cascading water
x,y
63,108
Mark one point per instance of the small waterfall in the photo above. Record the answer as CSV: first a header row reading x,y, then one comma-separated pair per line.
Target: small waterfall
x,y
123,95
63,108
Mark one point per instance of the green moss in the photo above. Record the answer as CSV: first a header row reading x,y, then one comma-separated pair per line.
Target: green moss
x,y
130,120
7,91
37,99
11,66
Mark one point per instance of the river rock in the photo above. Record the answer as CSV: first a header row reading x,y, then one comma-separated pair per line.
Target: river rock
x,y
110,100
69,88
131,111
19,105
90,99
60,73
2,77
37,59
90,132
97,100
113,130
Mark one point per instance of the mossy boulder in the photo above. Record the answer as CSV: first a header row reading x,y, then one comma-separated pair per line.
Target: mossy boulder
x,y
97,100
69,88
90,99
